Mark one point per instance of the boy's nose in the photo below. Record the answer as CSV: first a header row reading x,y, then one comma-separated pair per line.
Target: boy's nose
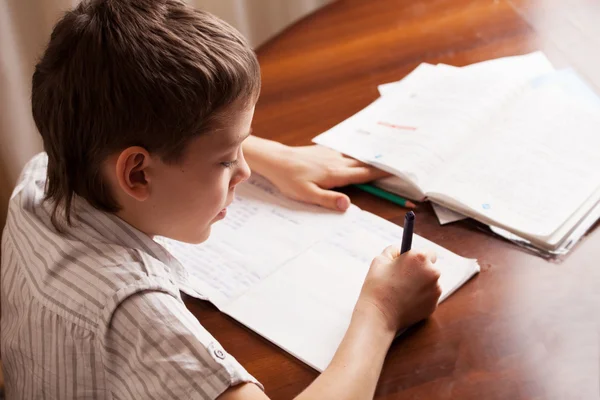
x,y
243,172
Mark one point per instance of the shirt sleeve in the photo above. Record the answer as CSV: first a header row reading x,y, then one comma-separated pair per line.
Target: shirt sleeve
x,y
156,349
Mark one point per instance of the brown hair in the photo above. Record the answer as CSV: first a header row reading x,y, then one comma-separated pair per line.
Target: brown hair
x,y
120,73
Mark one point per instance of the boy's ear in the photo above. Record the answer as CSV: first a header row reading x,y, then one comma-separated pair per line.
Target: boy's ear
x,y
132,172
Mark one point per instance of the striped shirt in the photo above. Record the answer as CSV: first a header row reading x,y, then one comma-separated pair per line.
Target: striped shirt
x,y
95,312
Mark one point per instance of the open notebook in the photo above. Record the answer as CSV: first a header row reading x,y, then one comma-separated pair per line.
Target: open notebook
x,y
292,272
514,153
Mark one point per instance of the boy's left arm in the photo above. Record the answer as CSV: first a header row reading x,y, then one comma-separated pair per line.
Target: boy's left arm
x,y
307,173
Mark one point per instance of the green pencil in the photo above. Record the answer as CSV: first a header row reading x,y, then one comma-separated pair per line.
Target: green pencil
x,y
374,190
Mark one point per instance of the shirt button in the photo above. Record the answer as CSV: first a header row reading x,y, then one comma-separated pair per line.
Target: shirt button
x,y
219,354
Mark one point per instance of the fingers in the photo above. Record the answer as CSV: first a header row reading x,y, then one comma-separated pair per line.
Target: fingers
x,y
327,198
422,257
359,174
353,162
391,252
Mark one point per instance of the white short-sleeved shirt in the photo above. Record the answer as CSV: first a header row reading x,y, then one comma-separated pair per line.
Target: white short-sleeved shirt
x,y
95,312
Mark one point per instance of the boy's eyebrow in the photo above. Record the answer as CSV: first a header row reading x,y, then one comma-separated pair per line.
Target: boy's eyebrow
x,y
238,141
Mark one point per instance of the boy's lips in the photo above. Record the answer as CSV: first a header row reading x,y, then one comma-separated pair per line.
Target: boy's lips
x,y
223,212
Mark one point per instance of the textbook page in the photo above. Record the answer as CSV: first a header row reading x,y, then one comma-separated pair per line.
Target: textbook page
x,y
445,215
409,137
525,66
292,272
411,82
348,138
417,136
422,121
536,166
430,118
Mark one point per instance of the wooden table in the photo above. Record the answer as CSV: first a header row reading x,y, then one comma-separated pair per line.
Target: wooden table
x,y
525,328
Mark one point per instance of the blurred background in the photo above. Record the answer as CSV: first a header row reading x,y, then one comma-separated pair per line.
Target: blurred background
x,y
25,27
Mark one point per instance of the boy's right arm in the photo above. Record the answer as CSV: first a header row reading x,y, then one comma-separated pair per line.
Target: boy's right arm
x,y
398,291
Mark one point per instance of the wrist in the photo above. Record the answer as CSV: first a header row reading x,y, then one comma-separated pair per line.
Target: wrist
x,y
263,155
368,313
365,343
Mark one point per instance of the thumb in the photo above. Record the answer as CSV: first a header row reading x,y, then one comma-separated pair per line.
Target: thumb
x,y
328,198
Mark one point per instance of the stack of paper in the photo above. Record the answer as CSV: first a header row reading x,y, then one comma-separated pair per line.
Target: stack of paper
x,y
292,272
509,142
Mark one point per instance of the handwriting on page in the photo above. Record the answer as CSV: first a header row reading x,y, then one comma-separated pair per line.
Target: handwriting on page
x,y
262,230
225,271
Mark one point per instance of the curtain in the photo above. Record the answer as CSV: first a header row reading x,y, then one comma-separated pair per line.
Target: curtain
x,y
25,27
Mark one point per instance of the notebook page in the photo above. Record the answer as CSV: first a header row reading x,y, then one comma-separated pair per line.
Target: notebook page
x,y
537,164
263,229
306,305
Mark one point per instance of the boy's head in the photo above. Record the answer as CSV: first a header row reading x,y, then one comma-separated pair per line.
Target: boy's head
x,y
142,106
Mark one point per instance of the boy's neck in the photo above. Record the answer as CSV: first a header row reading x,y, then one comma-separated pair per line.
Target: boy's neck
x,y
136,221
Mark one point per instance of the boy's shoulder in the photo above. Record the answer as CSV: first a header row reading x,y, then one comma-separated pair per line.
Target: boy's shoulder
x,y
33,173
84,272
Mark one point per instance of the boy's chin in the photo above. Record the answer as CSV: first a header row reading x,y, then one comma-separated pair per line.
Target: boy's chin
x,y
202,236
195,238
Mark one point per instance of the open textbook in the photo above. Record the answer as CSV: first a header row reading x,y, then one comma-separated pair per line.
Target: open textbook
x,y
292,272
517,152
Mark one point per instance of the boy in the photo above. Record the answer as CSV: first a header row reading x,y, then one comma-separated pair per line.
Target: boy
x,y
144,107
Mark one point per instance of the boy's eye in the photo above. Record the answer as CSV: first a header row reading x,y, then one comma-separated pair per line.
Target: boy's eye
x,y
229,164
